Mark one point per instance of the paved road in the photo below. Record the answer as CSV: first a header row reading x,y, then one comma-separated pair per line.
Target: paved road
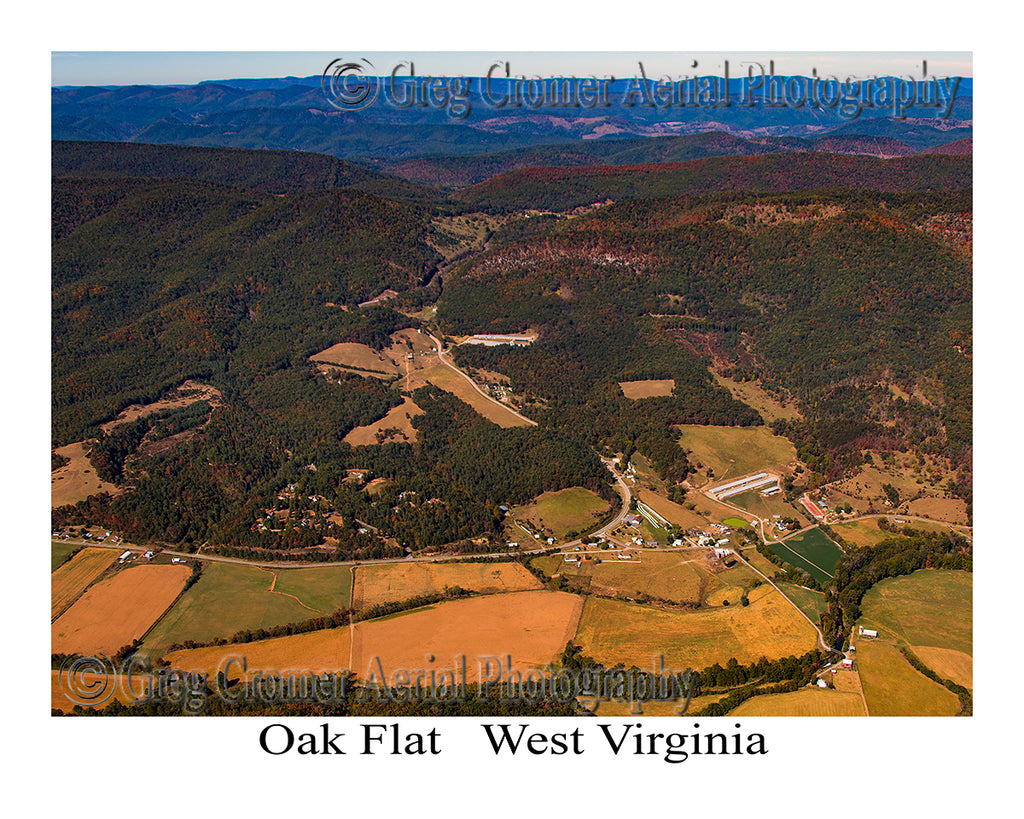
x,y
473,384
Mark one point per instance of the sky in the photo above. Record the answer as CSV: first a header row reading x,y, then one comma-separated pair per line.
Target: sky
x,y
187,67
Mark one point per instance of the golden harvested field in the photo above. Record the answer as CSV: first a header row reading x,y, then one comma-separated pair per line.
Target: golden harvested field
x,y
358,357
681,577
734,451
118,610
398,421
892,687
647,389
948,663
532,627
384,583
315,652
71,579
127,692
751,394
951,510
612,631
808,702
76,480
188,393
450,381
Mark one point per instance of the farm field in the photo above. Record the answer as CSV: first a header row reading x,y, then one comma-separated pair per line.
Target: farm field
x,y
808,702
315,652
441,376
118,610
751,394
647,389
613,631
76,480
71,579
764,506
734,451
568,510
811,551
892,687
363,360
681,577
931,612
229,598
861,532
60,551
400,581
531,626
395,426
810,602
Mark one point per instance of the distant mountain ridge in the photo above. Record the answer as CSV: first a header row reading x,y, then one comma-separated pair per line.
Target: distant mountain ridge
x,y
295,114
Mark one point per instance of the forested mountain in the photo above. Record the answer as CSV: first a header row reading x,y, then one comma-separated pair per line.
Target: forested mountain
x,y
468,170
827,277
269,171
827,295
154,282
564,188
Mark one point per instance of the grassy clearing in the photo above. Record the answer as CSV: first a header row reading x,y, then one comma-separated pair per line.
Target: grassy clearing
x,y
927,608
71,579
573,509
395,426
751,394
892,687
861,532
647,389
811,551
60,552
229,598
357,357
187,394
399,581
325,589
911,476
808,702
811,603
76,480
734,451
612,631
764,506
118,610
